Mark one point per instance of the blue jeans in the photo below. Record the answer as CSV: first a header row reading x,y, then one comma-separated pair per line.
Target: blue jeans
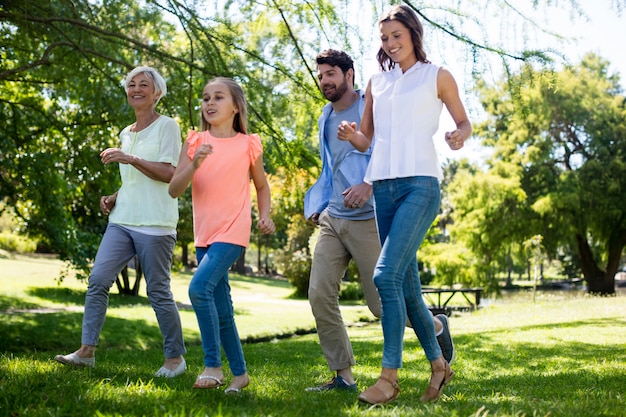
x,y
405,210
209,293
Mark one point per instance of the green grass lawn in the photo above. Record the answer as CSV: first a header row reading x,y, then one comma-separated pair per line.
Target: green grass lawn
x,y
558,356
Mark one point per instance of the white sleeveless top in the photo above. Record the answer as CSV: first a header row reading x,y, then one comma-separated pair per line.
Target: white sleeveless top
x,y
406,117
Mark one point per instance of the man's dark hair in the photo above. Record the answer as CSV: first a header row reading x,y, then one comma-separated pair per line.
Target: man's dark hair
x,y
335,59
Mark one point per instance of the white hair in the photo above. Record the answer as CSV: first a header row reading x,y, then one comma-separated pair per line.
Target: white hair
x,y
160,87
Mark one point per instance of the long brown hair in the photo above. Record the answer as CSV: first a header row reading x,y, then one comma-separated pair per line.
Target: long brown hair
x,y
405,15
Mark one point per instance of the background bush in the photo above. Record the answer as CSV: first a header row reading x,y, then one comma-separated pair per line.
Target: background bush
x,y
15,243
296,267
351,291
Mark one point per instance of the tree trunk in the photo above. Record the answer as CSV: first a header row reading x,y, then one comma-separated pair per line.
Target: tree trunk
x,y
599,282
123,285
138,275
258,252
240,266
603,284
185,255
509,269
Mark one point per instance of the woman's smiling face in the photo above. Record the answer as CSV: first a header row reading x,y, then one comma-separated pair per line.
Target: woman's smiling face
x,y
140,91
397,43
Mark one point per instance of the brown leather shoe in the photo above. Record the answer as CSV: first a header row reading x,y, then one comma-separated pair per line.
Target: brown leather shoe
x,y
433,392
374,395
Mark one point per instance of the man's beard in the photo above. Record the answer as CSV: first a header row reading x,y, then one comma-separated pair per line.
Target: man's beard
x,y
340,90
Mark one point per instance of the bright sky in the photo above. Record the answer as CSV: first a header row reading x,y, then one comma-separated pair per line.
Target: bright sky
x,y
603,33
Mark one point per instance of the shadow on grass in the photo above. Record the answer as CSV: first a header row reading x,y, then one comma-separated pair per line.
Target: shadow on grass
x,y
8,303
253,279
483,348
24,332
496,373
77,297
277,282
553,375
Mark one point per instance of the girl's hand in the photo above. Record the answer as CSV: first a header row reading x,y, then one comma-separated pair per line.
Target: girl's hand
x,y
346,130
202,152
266,226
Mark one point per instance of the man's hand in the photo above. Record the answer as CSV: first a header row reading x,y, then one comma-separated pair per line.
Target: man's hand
x,y
357,195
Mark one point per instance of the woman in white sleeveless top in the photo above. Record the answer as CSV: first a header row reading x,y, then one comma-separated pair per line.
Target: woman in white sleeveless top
x,y
402,108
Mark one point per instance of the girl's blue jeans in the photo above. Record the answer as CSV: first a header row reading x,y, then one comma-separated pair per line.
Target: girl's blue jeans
x,y
405,210
209,292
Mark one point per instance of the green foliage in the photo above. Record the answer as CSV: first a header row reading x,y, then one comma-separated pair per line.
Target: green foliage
x,y
62,63
450,264
351,291
296,266
14,243
564,135
63,103
352,273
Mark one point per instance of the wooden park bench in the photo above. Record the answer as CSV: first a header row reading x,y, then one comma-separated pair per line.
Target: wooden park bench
x,y
438,299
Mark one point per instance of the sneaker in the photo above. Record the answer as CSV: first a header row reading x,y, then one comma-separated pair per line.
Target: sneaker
x,y
445,339
337,383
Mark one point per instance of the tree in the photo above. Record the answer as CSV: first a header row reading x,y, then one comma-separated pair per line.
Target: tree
x,y
566,132
62,62
61,69
489,214
63,103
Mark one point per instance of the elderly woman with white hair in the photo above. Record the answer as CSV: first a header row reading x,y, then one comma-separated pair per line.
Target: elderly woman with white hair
x,y
142,222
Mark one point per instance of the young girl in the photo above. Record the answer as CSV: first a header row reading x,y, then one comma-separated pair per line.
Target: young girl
x,y
219,161
402,108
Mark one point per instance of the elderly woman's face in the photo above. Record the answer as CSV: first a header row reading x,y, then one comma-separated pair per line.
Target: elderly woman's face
x,y
140,91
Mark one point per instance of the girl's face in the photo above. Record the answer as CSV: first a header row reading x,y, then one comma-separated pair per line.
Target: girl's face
x,y
140,92
397,44
218,107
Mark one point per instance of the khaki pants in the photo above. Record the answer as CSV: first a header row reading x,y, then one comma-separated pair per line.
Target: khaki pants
x,y
339,241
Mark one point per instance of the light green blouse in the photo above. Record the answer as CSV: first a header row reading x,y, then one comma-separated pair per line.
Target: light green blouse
x,y
142,201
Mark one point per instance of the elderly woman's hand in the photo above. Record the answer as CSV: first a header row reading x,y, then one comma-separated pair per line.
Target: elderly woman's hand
x,y
107,202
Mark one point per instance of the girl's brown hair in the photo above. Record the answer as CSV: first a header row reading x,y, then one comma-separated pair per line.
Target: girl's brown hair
x,y
240,122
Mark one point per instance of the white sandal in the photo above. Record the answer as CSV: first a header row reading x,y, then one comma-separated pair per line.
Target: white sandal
x,y
218,382
233,390
169,373
74,359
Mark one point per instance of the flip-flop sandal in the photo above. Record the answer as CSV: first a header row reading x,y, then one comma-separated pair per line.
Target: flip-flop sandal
x,y
218,382
233,390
